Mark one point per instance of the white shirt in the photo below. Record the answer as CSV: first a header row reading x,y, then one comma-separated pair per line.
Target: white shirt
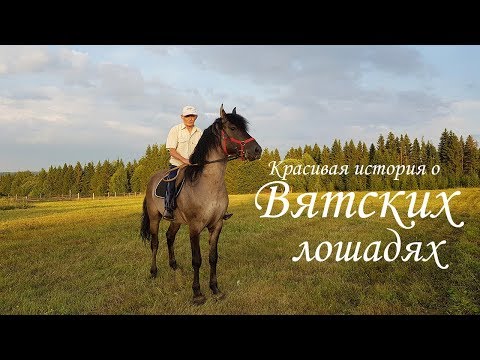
x,y
183,141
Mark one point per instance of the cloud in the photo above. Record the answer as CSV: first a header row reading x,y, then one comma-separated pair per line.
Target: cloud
x,y
134,130
120,81
20,59
118,100
278,64
462,118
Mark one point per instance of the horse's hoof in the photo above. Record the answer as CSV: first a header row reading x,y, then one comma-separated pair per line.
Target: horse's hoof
x,y
218,296
174,265
199,299
153,273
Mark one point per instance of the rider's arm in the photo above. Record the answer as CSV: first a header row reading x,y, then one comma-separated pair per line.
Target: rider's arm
x,y
177,156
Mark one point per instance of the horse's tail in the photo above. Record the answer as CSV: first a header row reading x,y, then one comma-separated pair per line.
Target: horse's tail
x,y
145,227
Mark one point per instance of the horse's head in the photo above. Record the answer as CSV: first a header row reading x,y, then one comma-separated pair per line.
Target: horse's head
x,y
235,138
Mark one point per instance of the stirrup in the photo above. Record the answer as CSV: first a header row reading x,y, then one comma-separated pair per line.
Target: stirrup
x,y
227,216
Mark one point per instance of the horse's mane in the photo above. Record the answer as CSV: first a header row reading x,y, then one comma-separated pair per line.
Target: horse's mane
x,y
211,139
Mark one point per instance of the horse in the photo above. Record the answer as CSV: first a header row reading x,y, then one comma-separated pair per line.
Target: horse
x,y
203,200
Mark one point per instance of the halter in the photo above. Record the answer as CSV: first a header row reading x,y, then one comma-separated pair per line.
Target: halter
x,y
232,139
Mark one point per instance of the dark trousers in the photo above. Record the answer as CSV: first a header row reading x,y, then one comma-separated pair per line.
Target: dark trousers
x,y
170,190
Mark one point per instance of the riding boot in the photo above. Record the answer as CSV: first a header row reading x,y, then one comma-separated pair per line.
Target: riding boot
x,y
227,216
170,196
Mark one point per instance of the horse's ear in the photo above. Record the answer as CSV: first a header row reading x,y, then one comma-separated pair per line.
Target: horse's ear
x,y
223,114
234,111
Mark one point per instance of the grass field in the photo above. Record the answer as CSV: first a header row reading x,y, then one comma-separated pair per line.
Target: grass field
x,y
86,257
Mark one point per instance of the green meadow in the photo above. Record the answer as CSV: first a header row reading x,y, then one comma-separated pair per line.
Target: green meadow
x,y
86,257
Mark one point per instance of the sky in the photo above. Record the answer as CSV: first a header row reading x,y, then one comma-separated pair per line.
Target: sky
x,y
63,104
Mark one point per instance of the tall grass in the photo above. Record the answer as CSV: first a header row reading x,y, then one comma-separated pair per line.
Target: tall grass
x,y
86,257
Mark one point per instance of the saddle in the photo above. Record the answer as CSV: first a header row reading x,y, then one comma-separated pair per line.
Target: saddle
x,y
161,187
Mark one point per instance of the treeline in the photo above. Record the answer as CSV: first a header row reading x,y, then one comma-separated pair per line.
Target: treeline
x,y
459,161
98,179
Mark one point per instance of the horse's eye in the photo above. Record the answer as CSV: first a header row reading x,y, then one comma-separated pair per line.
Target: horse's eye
x,y
233,128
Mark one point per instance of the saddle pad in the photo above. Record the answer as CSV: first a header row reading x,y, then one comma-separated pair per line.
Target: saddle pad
x,y
162,187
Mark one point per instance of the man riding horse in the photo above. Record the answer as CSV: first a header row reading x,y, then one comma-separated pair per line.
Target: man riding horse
x,y
181,142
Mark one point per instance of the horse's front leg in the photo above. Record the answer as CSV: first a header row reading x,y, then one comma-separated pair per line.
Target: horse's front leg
x,y
213,257
154,222
198,297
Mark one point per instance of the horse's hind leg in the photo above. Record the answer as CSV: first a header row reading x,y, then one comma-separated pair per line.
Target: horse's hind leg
x,y
154,222
198,297
171,233
213,257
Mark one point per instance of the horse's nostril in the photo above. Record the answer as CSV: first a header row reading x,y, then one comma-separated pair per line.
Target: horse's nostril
x,y
258,149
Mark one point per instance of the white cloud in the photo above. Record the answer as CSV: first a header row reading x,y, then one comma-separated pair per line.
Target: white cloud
x,y
24,59
462,119
129,129
292,95
121,81
76,59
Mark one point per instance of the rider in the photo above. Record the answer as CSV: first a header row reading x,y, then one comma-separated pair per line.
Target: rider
x,y
181,142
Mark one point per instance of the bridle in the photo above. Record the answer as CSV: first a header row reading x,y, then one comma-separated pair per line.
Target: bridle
x,y
240,152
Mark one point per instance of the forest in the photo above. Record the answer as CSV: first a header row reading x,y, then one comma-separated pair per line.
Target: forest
x,y
458,158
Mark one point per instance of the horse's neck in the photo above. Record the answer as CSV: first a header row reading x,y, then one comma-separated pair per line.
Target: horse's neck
x,y
215,169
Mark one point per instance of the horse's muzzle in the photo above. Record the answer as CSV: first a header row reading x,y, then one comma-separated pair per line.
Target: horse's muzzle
x,y
254,152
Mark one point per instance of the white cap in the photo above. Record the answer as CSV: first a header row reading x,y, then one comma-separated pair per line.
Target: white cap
x,y
189,110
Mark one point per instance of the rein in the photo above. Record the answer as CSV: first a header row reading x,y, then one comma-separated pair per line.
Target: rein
x,y
230,157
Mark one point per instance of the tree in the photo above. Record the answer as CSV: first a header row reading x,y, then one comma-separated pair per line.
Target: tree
x,y
6,184
363,160
371,153
232,174
137,182
87,186
470,156
77,178
443,147
118,182
308,181
130,168
352,156
325,181
276,155
251,176
68,179
316,153
337,158
294,153
415,157
406,150
23,182
39,188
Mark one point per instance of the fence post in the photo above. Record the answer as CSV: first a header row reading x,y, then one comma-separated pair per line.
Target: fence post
x,y
78,196
115,194
93,195
108,194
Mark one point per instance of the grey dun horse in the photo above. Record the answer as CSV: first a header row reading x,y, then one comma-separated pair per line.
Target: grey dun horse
x,y
203,200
